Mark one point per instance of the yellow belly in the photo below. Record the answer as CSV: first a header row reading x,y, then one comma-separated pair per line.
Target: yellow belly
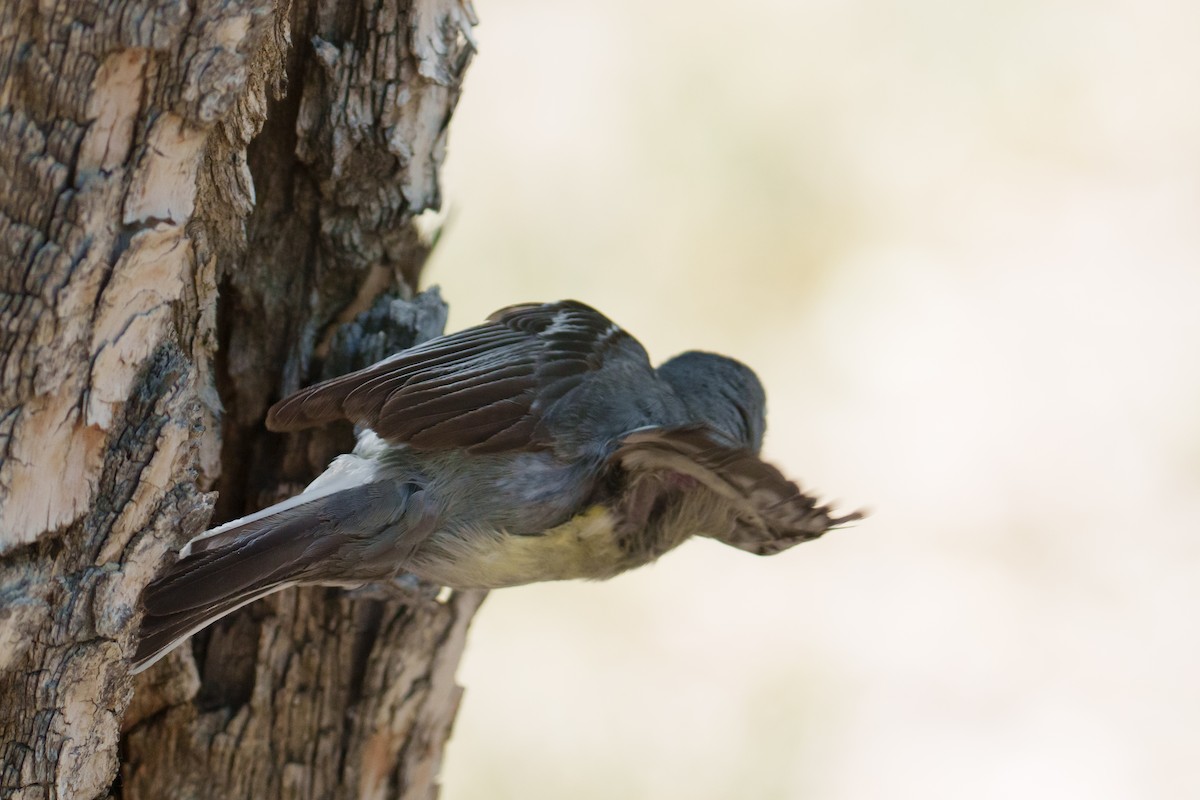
x,y
583,547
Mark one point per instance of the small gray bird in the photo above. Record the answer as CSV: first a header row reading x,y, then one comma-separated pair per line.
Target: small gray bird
x,y
539,446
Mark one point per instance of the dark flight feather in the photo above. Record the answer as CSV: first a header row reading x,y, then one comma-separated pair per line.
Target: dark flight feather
x,y
485,389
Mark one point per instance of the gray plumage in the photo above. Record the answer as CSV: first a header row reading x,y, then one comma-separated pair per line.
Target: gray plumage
x,y
541,445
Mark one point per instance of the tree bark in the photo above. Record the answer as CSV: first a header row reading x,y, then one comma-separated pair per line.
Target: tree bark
x,y
204,206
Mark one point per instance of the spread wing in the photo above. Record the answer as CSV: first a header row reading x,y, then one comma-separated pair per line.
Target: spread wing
x,y
771,513
484,389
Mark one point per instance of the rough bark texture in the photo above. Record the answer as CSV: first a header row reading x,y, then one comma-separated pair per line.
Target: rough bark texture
x,y
202,206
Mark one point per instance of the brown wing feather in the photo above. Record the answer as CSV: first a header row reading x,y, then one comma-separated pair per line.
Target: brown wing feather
x,y
484,388
772,512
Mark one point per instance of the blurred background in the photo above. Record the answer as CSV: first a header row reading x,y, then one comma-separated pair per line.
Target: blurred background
x,y
959,241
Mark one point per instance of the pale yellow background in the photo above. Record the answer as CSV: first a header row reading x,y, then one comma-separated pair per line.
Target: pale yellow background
x,y
959,241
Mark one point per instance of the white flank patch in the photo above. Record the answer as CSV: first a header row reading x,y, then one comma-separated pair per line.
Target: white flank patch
x,y
346,472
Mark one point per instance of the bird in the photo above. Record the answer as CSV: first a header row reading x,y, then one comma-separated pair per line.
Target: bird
x,y
540,445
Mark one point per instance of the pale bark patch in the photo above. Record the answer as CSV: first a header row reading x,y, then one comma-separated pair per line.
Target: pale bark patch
x,y
377,763
430,20
231,32
113,106
164,186
50,475
85,767
134,313
20,617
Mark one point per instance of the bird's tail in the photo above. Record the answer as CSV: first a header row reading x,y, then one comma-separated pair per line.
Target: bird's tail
x,y
357,534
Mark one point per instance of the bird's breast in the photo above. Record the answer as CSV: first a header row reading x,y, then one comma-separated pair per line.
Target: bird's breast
x,y
584,546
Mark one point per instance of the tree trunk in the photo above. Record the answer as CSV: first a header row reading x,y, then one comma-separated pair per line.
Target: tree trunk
x,y
203,206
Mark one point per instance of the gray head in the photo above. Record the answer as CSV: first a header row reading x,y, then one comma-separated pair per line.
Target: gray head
x,y
721,392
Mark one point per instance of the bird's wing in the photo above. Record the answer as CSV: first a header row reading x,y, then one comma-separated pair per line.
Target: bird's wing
x,y
771,513
486,388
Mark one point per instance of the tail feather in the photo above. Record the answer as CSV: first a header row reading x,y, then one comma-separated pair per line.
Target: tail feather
x,y
312,542
263,553
160,634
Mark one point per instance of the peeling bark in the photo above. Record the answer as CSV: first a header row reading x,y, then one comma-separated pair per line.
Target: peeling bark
x,y
203,206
